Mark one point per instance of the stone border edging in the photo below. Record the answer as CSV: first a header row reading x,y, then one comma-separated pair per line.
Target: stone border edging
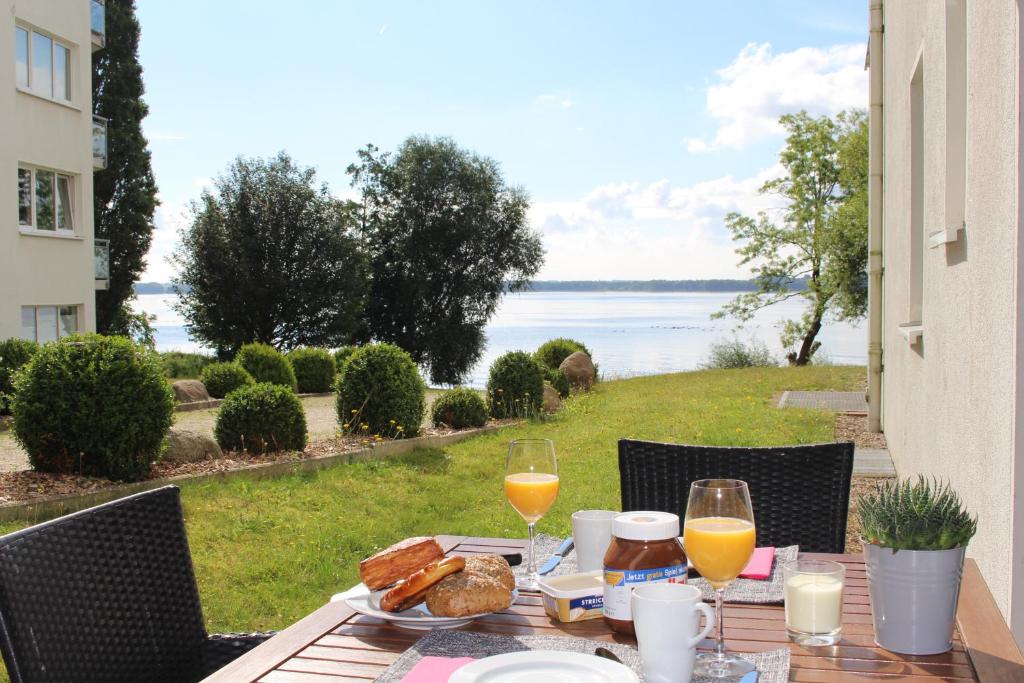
x,y
215,402
42,509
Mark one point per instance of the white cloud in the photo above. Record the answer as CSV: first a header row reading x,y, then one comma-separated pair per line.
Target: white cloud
x,y
382,29
760,86
559,101
168,220
643,232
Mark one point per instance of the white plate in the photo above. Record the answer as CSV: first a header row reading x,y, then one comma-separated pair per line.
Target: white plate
x,y
418,618
534,666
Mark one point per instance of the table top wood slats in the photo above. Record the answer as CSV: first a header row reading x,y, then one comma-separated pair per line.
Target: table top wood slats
x,y
336,645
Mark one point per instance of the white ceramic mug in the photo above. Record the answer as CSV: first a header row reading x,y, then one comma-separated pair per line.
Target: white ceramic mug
x,y
591,535
666,617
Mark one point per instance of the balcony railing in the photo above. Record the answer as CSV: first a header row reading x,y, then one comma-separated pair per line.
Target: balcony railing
x,y
99,142
98,23
102,263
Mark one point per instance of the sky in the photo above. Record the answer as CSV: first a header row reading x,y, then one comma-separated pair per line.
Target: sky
x,y
635,127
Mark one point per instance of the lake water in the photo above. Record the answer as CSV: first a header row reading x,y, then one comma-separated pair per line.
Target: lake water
x,y
629,333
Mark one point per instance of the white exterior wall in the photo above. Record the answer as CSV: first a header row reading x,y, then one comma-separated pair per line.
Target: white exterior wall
x,y
46,270
949,403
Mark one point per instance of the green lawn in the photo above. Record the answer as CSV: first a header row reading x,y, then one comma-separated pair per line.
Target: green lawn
x,y
269,552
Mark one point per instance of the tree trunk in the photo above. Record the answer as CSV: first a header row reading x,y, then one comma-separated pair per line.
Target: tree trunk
x,y
807,347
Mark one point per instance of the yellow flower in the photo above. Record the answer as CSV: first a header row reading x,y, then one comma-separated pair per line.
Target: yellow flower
x,y
391,421
354,411
345,425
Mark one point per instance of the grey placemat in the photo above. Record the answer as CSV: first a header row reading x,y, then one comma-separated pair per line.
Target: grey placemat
x,y
543,548
756,591
752,591
773,665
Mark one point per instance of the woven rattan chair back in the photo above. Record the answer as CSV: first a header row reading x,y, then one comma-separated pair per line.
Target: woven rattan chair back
x,y
106,594
800,494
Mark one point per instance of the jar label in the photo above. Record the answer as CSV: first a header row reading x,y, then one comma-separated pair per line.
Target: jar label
x,y
619,583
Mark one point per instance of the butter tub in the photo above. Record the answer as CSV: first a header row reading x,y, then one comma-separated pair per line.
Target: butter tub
x,y
574,597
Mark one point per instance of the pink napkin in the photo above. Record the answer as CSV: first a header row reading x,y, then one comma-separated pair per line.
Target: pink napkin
x,y
760,565
435,669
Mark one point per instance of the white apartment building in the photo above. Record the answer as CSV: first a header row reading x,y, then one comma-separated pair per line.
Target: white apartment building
x,y
50,264
946,313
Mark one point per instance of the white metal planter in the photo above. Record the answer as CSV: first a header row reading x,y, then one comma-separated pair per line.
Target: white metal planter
x,y
913,597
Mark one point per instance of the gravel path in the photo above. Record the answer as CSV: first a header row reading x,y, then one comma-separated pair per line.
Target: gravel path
x,y
320,420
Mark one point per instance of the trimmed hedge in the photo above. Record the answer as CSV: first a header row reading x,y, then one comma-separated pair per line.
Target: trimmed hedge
x,y
220,379
515,386
93,405
266,364
14,353
557,379
261,418
551,353
458,408
314,369
381,388
183,365
342,355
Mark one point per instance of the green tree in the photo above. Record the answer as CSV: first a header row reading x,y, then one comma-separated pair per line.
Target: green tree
x,y
270,257
445,235
124,193
820,235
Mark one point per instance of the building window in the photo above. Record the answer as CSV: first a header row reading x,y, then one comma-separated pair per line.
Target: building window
x,y
21,56
24,197
917,175
48,323
46,200
42,64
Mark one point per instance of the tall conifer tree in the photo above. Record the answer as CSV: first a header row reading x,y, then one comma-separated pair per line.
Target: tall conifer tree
x,y
124,194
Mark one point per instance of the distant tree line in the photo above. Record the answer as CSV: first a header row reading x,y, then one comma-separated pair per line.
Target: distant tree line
x,y
421,260
652,285
581,286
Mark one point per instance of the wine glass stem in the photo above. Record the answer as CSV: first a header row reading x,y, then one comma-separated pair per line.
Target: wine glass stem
x,y
531,568
720,625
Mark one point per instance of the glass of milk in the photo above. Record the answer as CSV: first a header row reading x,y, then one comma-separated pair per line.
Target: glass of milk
x,y
814,601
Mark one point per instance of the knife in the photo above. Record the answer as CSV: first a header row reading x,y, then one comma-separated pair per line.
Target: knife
x,y
555,559
749,678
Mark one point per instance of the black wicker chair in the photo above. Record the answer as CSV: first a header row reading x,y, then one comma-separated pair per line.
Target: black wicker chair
x,y
108,594
800,494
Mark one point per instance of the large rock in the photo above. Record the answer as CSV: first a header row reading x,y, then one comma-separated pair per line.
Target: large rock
x,y
579,370
186,446
190,391
552,401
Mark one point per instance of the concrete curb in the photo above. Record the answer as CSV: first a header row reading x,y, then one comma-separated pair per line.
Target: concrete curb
x,y
215,402
42,509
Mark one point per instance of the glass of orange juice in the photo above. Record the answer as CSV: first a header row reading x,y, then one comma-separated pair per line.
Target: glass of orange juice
x,y
718,536
531,486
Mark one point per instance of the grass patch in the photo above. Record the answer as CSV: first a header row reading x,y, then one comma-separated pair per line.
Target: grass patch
x,y
269,552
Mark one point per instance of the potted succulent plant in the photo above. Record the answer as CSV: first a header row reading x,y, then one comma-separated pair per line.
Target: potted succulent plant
x,y
914,536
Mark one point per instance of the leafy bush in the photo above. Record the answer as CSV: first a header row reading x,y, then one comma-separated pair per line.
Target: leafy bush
x,y
14,353
381,392
266,364
314,369
458,408
551,353
557,379
260,418
515,386
93,405
919,515
181,365
734,353
342,355
221,379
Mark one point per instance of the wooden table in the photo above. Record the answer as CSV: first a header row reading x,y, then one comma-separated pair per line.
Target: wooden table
x,y
336,645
